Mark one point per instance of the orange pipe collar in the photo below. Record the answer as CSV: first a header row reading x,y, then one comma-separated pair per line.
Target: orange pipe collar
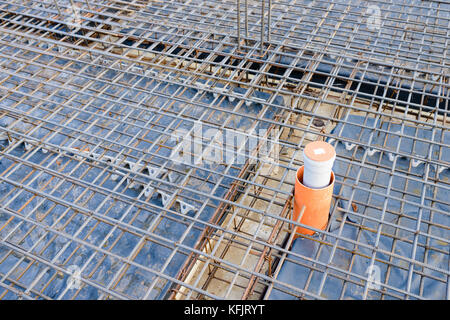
x,y
317,204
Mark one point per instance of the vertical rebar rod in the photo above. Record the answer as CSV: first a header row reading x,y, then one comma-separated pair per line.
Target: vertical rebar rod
x,y
246,19
74,12
269,20
238,13
57,7
263,7
88,4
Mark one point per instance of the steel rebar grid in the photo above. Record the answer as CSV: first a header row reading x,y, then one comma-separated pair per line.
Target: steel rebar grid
x,y
99,62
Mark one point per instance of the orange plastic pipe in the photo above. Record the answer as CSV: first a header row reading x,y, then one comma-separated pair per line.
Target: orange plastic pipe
x,y
316,201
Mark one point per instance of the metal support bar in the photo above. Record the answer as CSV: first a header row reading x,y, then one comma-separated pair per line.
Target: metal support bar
x,y
262,23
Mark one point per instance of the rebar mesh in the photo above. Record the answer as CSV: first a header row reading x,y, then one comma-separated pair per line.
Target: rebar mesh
x,y
93,95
